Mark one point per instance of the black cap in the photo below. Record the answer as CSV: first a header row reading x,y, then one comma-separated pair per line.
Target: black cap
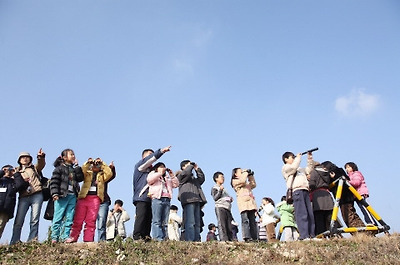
x,y
210,226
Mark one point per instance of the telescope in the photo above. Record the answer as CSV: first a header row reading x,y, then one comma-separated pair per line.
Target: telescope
x,y
310,151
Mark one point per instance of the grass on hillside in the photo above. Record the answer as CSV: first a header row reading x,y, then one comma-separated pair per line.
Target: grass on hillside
x,y
359,249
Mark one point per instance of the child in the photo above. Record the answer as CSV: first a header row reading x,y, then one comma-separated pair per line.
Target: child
x,y
160,191
296,177
10,184
223,204
174,222
235,230
243,182
64,190
288,223
211,236
31,197
358,182
116,221
96,173
192,199
269,218
321,198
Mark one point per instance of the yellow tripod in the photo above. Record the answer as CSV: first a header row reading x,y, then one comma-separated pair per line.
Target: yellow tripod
x,y
334,230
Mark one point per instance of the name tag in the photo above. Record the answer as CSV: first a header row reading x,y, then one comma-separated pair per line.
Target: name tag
x,y
3,189
93,188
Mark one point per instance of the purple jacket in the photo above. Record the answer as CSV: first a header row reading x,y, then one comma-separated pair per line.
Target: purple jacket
x,y
358,182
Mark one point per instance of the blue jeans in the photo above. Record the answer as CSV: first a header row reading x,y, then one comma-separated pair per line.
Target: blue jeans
x,y
34,201
64,209
192,219
304,214
101,220
160,211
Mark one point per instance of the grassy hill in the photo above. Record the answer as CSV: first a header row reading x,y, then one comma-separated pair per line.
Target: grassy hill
x,y
360,249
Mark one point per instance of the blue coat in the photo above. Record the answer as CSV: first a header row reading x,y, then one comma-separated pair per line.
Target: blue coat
x,y
142,169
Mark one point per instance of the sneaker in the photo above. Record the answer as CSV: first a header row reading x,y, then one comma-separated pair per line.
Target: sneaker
x,y
316,239
70,240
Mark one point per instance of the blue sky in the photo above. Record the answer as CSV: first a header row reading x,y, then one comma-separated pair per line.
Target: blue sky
x,y
226,83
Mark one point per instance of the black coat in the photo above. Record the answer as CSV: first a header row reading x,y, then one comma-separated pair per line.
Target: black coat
x,y
59,180
190,187
8,192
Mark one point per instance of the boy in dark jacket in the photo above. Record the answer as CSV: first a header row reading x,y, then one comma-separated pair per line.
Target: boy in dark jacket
x,y
192,199
9,186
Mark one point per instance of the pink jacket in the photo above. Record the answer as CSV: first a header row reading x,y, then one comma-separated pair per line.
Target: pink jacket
x,y
358,182
154,179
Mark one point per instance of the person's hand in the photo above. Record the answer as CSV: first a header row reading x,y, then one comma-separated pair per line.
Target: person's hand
x,y
55,198
170,172
112,164
166,149
332,174
309,156
298,155
41,153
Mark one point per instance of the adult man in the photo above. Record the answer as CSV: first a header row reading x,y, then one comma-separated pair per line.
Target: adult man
x,y
141,201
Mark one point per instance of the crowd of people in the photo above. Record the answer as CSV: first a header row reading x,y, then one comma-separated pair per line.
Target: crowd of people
x,y
77,196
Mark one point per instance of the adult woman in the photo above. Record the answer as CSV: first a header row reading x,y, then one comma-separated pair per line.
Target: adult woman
x,y
243,182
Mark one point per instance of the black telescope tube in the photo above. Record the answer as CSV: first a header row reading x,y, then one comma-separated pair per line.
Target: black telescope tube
x,y
310,151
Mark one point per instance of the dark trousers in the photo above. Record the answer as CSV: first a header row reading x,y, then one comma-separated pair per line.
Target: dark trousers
x,y
249,225
304,214
350,216
322,221
142,227
224,218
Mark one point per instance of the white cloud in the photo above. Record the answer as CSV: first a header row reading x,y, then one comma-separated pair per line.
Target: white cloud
x,y
183,66
202,38
357,103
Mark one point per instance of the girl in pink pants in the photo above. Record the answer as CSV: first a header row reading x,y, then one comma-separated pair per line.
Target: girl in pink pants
x,y
96,173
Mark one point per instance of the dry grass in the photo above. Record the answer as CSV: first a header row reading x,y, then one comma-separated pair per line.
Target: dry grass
x,y
360,249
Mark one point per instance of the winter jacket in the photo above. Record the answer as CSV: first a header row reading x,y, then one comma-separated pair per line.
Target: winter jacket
x,y
59,182
300,182
190,187
358,182
102,177
142,169
221,197
32,174
8,192
268,215
156,183
286,212
244,194
116,220
174,222
320,196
